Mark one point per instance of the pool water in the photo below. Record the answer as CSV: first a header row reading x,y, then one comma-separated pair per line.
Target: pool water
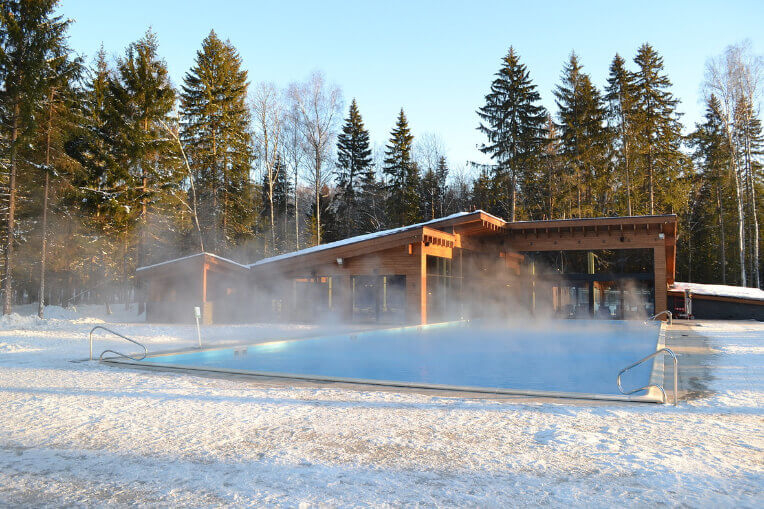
x,y
574,356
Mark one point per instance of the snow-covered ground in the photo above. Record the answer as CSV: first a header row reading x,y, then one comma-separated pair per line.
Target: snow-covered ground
x,y
84,433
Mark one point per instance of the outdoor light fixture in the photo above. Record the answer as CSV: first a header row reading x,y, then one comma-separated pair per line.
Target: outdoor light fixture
x,y
661,236
339,261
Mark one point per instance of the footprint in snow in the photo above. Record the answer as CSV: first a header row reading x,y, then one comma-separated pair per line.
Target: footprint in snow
x,y
545,436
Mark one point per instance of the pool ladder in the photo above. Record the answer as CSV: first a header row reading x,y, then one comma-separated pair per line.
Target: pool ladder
x,y
666,312
90,336
676,375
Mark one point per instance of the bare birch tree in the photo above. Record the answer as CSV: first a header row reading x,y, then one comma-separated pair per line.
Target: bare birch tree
x,y
734,78
294,150
721,76
319,106
750,71
267,111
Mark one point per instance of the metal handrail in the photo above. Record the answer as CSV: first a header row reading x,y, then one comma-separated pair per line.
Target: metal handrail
x,y
666,312
676,375
145,350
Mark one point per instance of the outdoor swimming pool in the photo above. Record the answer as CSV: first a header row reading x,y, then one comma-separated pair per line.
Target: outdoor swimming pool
x,y
566,358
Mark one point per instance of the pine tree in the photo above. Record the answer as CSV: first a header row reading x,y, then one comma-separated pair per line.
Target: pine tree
x,y
657,133
403,176
513,122
218,140
30,36
353,167
584,139
619,95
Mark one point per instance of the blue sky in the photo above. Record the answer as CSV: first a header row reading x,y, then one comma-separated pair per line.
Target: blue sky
x,y
434,59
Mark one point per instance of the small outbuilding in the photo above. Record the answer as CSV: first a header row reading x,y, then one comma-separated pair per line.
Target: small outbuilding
x,y
214,284
716,302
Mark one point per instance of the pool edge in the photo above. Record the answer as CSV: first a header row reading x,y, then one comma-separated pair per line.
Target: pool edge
x,y
652,395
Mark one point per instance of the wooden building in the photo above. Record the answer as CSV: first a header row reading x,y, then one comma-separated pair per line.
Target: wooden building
x,y
475,264
214,284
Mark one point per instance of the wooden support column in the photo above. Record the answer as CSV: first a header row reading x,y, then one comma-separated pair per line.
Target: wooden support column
x,y
206,305
416,287
659,269
423,287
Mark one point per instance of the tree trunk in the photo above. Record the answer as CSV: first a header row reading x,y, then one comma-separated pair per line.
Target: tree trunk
x,y
273,215
754,215
144,222
318,198
628,177
513,197
650,180
296,213
722,245
43,250
734,167
8,285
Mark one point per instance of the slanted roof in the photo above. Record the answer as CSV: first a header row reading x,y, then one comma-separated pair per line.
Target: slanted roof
x,y
461,222
210,257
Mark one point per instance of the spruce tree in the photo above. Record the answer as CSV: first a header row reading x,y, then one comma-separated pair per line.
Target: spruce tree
x,y
403,176
441,180
218,140
429,194
513,121
712,154
433,190
60,112
551,175
142,100
102,185
657,133
584,138
370,204
282,189
353,167
619,95
482,195
30,37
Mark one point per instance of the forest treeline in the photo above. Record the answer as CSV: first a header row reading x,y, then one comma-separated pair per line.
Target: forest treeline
x,y
107,166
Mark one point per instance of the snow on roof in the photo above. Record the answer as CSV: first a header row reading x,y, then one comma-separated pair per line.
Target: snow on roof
x,y
737,292
190,256
573,219
368,236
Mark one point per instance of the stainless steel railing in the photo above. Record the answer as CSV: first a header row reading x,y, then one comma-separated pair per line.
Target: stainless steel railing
x,y
676,375
666,312
90,337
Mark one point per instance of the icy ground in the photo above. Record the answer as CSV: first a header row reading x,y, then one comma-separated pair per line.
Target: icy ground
x,y
91,434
